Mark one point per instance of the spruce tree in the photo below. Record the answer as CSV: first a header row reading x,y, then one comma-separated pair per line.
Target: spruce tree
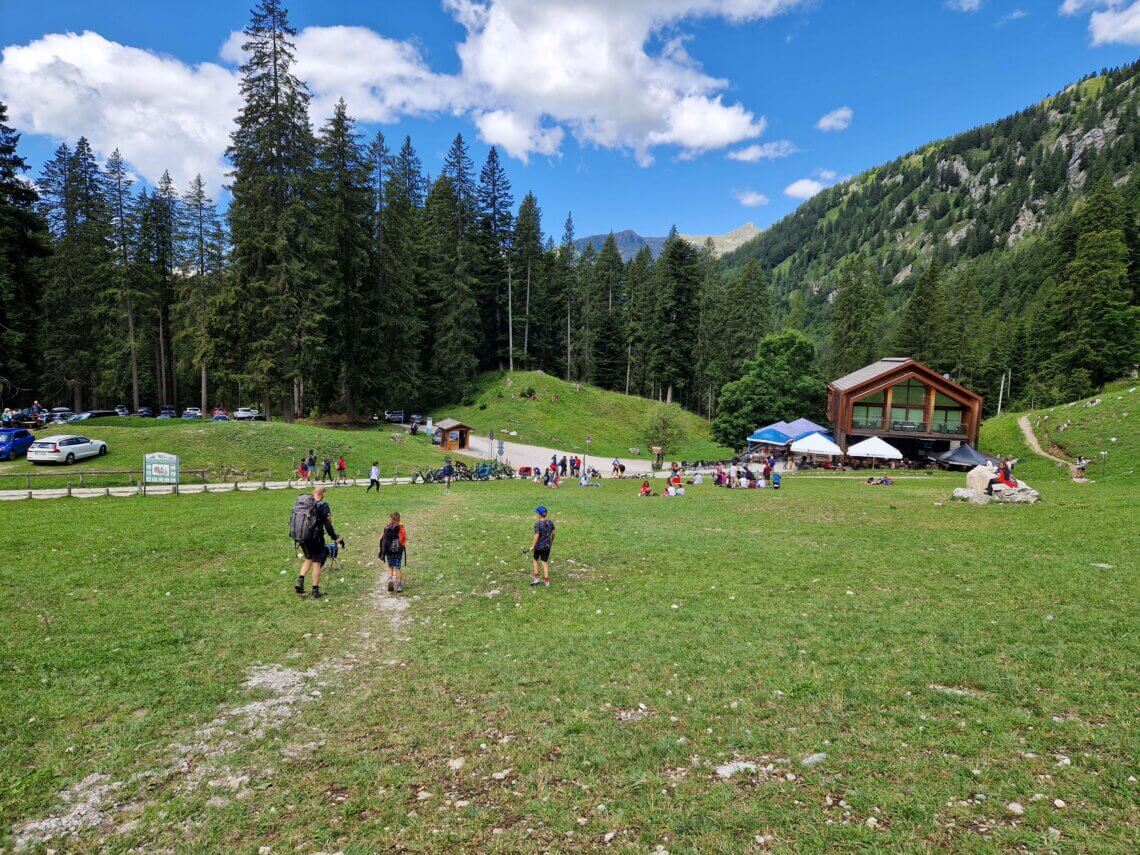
x,y
495,233
528,259
23,241
965,333
856,318
608,351
78,274
399,248
344,208
271,222
639,317
199,336
120,204
678,279
921,326
747,317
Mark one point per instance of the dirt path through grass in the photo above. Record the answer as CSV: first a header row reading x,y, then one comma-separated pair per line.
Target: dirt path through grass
x,y
200,760
1031,439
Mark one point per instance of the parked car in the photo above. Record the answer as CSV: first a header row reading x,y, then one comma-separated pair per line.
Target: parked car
x,y
220,417
219,411
165,416
92,414
145,412
416,418
65,448
122,411
168,412
58,415
394,416
14,442
245,414
192,413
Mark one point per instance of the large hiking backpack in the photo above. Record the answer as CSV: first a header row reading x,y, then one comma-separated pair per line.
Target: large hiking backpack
x,y
303,522
392,544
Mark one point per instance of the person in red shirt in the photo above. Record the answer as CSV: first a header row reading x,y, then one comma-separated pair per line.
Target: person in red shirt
x,y
342,470
393,547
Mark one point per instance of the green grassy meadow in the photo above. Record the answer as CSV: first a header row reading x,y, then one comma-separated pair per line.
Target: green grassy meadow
x,y
561,415
246,450
948,659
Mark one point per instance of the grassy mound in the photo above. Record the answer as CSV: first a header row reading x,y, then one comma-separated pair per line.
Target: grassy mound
x,y
227,449
561,415
1074,429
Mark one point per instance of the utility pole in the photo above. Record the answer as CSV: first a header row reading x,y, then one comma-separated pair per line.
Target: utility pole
x,y
1001,392
510,321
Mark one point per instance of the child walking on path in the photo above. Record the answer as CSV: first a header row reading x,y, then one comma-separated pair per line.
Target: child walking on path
x,y
393,546
374,477
541,545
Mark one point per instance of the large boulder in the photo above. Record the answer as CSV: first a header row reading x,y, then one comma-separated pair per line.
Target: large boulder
x,y
1021,494
978,478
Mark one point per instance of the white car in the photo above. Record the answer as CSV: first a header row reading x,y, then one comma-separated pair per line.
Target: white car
x,y
65,448
245,414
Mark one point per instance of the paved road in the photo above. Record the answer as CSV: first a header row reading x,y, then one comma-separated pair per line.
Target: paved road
x,y
518,454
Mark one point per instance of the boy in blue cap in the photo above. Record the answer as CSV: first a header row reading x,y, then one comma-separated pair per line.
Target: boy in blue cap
x,y
540,546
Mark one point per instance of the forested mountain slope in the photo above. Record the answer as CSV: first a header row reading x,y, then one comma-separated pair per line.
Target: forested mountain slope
x,y
981,192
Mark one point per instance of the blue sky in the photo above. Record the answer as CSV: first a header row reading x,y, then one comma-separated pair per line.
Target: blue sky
x,y
630,113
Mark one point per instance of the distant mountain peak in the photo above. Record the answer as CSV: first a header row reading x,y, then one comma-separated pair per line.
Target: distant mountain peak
x,y
629,242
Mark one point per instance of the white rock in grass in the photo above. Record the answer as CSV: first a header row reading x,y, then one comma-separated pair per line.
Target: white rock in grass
x,y
423,796
814,759
1063,760
1015,809
609,836
499,776
456,764
727,770
871,822
1058,803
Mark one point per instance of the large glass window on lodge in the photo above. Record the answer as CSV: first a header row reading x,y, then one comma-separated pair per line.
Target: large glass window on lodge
x,y
867,412
908,400
948,415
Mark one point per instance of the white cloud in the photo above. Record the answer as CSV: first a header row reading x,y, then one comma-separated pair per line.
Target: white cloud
x,y
838,119
764,151
804,188
750,198
613,75
1120,26
586,65
1113,22
1015,15
964,5
827,174
161,112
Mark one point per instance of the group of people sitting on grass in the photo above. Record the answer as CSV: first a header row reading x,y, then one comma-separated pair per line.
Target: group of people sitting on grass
x,y
307,469
743,478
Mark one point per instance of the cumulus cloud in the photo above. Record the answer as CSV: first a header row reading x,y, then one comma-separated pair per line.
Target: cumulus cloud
x,y
764,151
804,188
1118,25
827,174
161,112
750,198
1112,22
613,75
964,5
838,119
587,65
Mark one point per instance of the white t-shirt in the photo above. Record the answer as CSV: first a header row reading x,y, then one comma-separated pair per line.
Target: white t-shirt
x,y
374,473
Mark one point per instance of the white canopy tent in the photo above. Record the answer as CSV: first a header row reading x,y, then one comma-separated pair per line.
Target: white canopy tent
x,y
875,448
816,443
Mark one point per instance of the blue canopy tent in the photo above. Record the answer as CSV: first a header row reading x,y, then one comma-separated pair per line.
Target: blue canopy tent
x,y
802,427
768,436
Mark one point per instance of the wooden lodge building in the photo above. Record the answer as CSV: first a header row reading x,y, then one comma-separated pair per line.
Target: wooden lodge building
x,y
913,407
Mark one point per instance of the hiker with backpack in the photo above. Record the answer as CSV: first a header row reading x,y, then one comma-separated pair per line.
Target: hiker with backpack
x,y
342,471
541,545
326,468
310,519
393,548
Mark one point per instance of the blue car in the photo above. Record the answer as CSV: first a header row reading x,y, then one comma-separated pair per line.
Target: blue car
x,y
14,442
